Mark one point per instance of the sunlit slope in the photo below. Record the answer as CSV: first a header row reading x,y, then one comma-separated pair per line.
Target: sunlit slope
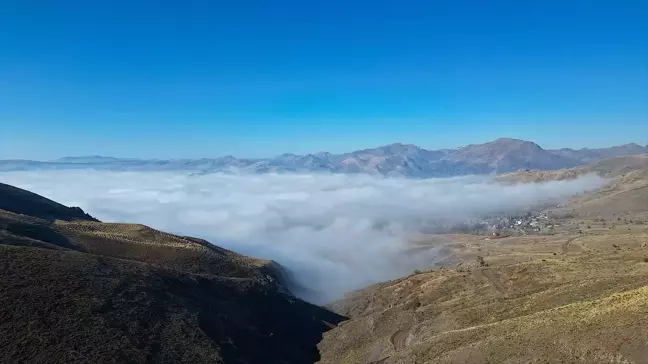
x,y
579,295
610,168
588,307
623,197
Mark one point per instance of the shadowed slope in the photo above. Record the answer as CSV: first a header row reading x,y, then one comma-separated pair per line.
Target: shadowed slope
x,y
26,203
80,291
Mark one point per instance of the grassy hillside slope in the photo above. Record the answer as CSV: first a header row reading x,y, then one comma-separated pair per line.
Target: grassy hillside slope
x,y
578,295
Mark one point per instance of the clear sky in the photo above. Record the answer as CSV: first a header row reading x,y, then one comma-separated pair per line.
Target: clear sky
x,y
258,78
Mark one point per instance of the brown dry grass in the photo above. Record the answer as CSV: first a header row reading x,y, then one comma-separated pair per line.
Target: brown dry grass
x,y
584,306
577,296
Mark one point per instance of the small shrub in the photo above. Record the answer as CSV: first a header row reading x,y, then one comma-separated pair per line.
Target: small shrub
x,y
481,261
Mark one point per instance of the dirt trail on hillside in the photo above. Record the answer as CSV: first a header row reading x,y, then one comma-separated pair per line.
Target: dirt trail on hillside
x,y
488,274
566,244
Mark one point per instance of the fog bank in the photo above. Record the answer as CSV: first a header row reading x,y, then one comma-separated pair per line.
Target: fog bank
x,y
335,232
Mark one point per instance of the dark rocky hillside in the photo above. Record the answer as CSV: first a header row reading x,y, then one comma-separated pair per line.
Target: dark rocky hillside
x,y
75,290
19,201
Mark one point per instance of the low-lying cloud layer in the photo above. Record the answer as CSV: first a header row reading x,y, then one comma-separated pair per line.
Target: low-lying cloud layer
x,y
335,232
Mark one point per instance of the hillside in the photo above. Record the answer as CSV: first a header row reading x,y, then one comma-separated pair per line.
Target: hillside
x,y
625,194
570,308
578,294
393,160
75,290
611,167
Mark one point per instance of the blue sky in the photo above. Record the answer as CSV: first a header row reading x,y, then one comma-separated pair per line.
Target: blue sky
x,y
258,78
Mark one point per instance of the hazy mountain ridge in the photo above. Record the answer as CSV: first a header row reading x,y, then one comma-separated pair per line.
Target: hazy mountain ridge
x,y
586,155
499,156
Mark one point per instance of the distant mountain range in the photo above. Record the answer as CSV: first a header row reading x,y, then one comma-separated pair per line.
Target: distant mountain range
x,y
405,160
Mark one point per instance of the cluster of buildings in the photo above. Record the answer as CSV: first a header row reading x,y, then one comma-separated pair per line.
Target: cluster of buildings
x,y
525,224
502,225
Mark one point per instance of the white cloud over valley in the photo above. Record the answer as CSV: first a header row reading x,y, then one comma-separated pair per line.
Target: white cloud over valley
x,y
335,232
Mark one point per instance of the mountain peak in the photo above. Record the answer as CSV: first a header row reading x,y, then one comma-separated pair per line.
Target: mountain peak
x,y
323,154
228,158
631,145
511,141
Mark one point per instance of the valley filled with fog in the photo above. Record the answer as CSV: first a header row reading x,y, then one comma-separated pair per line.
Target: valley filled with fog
x,y
334,232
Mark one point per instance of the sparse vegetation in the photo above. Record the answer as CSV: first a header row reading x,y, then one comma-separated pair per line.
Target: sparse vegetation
x,y
83,291
591,292
481,262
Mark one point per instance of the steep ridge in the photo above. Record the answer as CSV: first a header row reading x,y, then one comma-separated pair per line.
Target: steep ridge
x,y
75,290
19,201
